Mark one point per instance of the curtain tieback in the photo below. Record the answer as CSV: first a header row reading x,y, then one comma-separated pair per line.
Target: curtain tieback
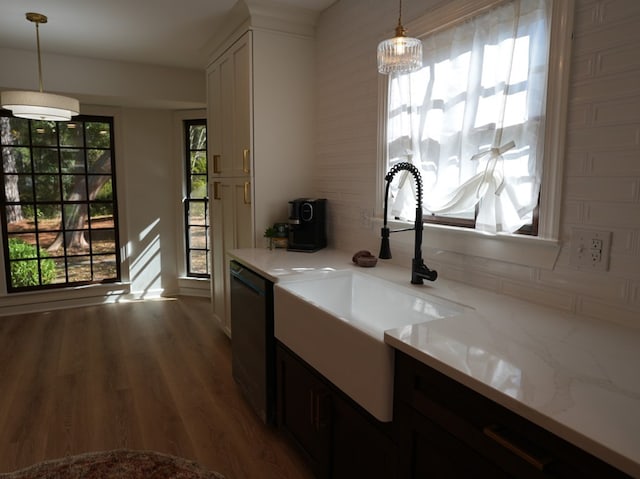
x,y
494,154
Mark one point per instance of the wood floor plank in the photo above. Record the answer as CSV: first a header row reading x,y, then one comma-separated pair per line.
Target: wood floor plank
x,y
152,375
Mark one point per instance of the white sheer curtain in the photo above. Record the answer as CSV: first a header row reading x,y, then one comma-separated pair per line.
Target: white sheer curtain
x,y
472,119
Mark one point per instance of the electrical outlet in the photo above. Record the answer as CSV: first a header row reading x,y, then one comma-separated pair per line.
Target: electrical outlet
x,y
590,249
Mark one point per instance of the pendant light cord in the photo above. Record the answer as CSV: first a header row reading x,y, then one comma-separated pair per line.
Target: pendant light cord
x,y
38,18
400,31
39,59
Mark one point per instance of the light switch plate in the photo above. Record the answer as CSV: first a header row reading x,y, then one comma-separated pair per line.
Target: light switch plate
x,y
590,249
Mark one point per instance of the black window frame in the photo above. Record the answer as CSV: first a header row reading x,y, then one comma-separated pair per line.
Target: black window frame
x,y
188,202
67,254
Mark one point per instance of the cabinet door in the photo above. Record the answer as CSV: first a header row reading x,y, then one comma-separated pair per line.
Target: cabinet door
x,y
359,449
304,410
231,228
216,119
229,110
242,99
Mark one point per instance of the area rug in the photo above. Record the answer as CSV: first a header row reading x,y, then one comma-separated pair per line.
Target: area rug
x,y
118,464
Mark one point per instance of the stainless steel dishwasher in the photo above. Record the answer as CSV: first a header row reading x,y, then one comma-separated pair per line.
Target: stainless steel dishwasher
x,y
252,340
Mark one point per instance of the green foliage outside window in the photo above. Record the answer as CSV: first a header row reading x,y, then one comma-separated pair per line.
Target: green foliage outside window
x,y
24,264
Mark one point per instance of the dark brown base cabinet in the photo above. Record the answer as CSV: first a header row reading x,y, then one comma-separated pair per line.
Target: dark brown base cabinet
x,y
446,430
441,429
339,438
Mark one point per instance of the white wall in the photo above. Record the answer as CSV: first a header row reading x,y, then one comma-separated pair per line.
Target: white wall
x,y
602,164
149,205
103,82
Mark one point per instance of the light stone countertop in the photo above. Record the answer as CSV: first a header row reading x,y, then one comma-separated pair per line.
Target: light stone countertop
x,y
574,376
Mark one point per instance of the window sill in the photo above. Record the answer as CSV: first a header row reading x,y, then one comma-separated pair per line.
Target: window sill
x,y
43,300
518,249
190,286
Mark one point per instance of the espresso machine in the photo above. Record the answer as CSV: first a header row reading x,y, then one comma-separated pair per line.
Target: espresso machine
x,y
307,224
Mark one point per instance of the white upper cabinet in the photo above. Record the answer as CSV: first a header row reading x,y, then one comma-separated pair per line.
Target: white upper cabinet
x,y
260,100
229,110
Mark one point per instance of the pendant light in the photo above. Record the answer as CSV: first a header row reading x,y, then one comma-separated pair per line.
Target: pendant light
x,y
37,105
400,54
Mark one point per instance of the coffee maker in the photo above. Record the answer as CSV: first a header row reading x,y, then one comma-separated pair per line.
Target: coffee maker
x,y
307,224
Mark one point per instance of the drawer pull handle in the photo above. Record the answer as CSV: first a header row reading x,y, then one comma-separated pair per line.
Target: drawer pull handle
x,y
247,193
216,163
216,190
319,409
496,433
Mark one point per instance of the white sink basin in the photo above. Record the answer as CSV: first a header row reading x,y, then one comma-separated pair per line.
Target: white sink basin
x,y
336,323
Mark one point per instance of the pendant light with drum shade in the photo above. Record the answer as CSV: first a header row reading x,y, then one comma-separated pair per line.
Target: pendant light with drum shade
x,y
400,54
37,105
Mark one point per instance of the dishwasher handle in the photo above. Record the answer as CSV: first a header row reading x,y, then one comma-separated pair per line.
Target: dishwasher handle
x,y
245,276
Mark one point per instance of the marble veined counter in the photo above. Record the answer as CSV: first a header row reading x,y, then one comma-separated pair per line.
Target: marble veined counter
x,y
574,376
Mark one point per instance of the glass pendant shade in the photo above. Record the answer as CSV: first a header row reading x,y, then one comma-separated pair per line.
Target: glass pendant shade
x,y
40,106
37,105
399,55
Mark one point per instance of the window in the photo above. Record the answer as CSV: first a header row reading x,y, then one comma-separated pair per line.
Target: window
x,y
196,211
473,119
59,214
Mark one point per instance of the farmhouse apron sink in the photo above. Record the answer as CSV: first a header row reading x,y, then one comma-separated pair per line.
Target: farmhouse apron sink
x,y
336,321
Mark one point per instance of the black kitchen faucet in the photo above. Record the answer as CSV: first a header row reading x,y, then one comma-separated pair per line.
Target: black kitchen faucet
x,y
419,270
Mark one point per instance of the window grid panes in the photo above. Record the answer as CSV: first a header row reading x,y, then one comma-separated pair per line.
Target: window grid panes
x,y
59,214
196,203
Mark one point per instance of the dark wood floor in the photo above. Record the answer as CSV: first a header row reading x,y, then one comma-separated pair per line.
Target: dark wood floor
x,y
152,375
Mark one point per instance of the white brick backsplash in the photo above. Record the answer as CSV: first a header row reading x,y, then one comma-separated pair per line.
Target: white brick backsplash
x,y
611,215
577,164
474,278
622,111
615,163
582,68
580,115
593,284
635,294
617,60
624,266
608,312
613,11
609,189
601,171
605,88
572,212
554,297
621,136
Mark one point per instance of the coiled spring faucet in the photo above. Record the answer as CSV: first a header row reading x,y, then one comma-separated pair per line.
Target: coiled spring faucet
x,y
419,270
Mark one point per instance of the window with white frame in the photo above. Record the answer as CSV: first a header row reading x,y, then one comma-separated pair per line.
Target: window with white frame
x,y
473,119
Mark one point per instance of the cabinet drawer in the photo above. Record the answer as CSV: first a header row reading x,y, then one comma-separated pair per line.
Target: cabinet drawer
x,y
429,451
518,446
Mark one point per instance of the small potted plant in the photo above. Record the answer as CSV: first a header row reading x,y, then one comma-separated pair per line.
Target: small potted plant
x,y
270,233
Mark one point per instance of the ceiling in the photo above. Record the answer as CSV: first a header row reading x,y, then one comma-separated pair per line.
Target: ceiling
x,y
159,32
